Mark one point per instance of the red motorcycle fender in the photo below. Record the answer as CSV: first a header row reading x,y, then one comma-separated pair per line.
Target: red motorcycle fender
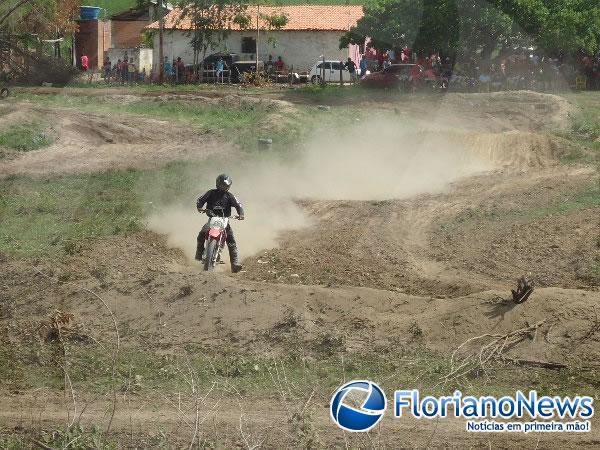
x,y
214,233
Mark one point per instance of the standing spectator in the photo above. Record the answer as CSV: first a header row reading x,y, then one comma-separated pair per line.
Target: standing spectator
x,y
403,56
143,76
85,62
131,70
106,69
391,54
269,65
168,68
124,70
364,65
219,68
436,65
117,70
351,66
279,64
180,68
380,59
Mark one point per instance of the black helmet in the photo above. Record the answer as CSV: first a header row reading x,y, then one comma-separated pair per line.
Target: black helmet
x,y
223,182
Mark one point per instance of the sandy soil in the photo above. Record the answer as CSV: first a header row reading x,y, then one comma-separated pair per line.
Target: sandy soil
x,y
444,261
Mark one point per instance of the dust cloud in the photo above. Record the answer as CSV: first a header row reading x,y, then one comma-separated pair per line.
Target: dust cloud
x,y
374,160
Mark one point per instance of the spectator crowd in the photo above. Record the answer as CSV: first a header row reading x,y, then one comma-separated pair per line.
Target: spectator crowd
x,y
519,68
515,69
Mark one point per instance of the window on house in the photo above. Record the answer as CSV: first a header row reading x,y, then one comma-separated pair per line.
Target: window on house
x,y
248,45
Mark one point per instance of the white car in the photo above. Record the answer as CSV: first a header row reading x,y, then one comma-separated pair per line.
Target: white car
x,y
331,71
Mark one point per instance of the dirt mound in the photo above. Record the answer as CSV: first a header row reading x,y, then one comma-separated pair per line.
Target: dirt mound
x,y
514,149
150,289
505,111
87,142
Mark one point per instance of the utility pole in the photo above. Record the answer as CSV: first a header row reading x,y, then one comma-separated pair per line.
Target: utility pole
x,y
257,38
161,29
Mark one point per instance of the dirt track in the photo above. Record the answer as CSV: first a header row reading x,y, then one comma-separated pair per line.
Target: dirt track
x,y
374,268
88,142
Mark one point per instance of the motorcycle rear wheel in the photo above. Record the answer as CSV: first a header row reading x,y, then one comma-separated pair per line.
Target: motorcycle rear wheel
x,y
210,257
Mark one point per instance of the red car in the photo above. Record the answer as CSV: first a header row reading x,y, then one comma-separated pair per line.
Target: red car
x,y
403,76
396,75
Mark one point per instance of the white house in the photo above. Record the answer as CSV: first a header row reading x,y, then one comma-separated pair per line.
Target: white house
x,y
311,33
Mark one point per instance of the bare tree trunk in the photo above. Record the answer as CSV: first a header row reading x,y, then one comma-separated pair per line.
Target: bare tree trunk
x,y
204,49
161,31
257,38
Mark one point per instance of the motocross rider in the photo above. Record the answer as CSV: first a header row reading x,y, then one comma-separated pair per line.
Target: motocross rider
x,y
221,197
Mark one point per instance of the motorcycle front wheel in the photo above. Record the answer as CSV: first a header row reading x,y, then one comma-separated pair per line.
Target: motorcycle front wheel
x,y
210,258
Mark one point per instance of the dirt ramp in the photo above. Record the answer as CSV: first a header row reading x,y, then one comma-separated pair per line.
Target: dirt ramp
x,y
505,111
513,150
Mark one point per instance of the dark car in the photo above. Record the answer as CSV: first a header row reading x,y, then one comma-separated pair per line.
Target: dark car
x,y
234,70
210,63
228,58
396,75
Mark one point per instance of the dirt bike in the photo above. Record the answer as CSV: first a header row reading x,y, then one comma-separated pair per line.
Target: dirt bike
x,y
216,237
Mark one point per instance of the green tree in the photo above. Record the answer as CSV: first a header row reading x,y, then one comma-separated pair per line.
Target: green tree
x,y
483,29
564,26
479,26
211,22
387,23
423,25
24,25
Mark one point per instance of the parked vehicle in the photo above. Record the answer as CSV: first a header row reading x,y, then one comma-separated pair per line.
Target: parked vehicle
x,y
394,76
330,70
228,58
210,63
235,71
215,237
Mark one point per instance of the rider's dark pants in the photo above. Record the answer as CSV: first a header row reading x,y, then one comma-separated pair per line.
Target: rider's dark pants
x,y
231,244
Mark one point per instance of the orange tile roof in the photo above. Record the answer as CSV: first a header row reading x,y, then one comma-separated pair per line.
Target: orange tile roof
x,y
300,17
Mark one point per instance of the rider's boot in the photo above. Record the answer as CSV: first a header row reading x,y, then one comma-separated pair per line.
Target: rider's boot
x,y
234,257
199,246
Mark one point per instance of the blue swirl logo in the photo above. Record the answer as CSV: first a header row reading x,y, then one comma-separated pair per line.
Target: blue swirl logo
x,y
358,405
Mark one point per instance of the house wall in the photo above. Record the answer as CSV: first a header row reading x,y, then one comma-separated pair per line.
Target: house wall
x,y
127,33
301,49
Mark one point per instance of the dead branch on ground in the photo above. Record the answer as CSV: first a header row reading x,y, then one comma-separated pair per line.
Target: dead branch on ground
x,y
492,350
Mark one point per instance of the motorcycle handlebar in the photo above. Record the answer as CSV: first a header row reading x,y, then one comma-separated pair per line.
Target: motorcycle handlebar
x,y
205,211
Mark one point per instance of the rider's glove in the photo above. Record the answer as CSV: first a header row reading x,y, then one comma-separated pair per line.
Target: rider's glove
x,y
241,217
